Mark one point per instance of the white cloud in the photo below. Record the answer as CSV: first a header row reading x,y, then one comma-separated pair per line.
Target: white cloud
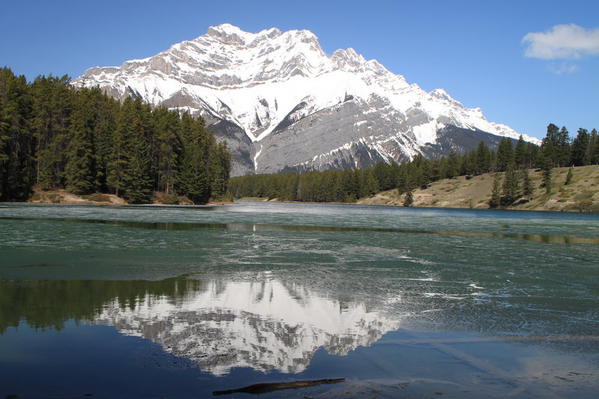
x,y
562,42
563,68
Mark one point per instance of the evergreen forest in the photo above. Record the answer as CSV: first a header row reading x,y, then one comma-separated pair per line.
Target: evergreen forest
x,y
56,136
511,156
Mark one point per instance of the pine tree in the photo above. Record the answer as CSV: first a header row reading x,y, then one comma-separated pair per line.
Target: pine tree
x,y
52,107
589,155
563,150
452,166
80,168
193,179
138,178
220,168
505,154
369,184
483,158
510,191
569,176
495,200
527,186
532,154
118,161
550,145
169,148
409,199
17,144
595,150
547,180
105,125
383,175
468,164
579,148
520,153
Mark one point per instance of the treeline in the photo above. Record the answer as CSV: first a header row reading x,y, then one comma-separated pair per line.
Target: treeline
x,y
557,150
349,185
53,135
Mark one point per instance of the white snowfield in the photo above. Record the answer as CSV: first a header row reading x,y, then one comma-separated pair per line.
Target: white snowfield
x,y
255,80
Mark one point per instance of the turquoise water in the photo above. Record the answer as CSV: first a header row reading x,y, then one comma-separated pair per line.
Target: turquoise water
x,y
184,301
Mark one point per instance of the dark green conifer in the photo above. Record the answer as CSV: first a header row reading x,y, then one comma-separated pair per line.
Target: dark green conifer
x,y
168,148
220,167
527,187
138,178
409,199
595,151
547,180
483,158
569,176
532,155
550,145
80,168
17,144
520,153
52,107
510,190
495,200
193,179
563,149
369,184
505,154
589,155
579,148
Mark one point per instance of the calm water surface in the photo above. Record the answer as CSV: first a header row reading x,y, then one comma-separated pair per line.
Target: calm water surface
x,y
181,302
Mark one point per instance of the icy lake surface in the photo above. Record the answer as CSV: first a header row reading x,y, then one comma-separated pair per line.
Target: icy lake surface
x,y
183,302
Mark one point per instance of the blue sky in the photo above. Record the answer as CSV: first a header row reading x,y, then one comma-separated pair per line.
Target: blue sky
x,y
472,49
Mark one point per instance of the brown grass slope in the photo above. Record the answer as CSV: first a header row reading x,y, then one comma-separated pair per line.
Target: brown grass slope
x,y
65,197
582,194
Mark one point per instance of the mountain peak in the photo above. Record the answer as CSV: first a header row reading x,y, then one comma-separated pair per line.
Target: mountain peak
x,y
226,30
348,57
442,95
282,102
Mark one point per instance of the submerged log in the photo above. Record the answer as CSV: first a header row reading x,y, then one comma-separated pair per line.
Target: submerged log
x,y
277,386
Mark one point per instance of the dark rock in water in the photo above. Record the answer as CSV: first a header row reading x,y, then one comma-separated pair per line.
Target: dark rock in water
x,y
257,389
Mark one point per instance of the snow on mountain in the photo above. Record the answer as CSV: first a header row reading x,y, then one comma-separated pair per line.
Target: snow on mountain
x,y
281,102
266,325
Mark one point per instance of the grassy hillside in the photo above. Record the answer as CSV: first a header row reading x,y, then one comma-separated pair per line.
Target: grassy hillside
x,y
582,194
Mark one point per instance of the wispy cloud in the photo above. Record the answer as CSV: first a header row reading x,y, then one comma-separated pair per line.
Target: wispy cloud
x,y
563,68
562,42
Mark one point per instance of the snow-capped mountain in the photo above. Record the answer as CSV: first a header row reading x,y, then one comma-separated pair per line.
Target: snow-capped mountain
x,y
266,325
282,103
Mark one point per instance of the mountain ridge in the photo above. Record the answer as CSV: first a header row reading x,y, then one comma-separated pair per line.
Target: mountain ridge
x,y
281,103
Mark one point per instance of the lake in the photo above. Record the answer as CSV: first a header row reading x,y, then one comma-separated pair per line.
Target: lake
x,y
193,302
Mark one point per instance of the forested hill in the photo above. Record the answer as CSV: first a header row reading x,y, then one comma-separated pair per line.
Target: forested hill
x,y
55,136
510,165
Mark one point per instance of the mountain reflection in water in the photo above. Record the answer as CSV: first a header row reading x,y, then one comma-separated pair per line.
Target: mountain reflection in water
x,y
263,323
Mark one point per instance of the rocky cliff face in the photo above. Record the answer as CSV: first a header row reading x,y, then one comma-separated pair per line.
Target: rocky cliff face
x,y
281,103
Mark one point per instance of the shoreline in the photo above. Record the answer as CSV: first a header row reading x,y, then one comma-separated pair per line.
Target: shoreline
x,y
64,197
258,199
